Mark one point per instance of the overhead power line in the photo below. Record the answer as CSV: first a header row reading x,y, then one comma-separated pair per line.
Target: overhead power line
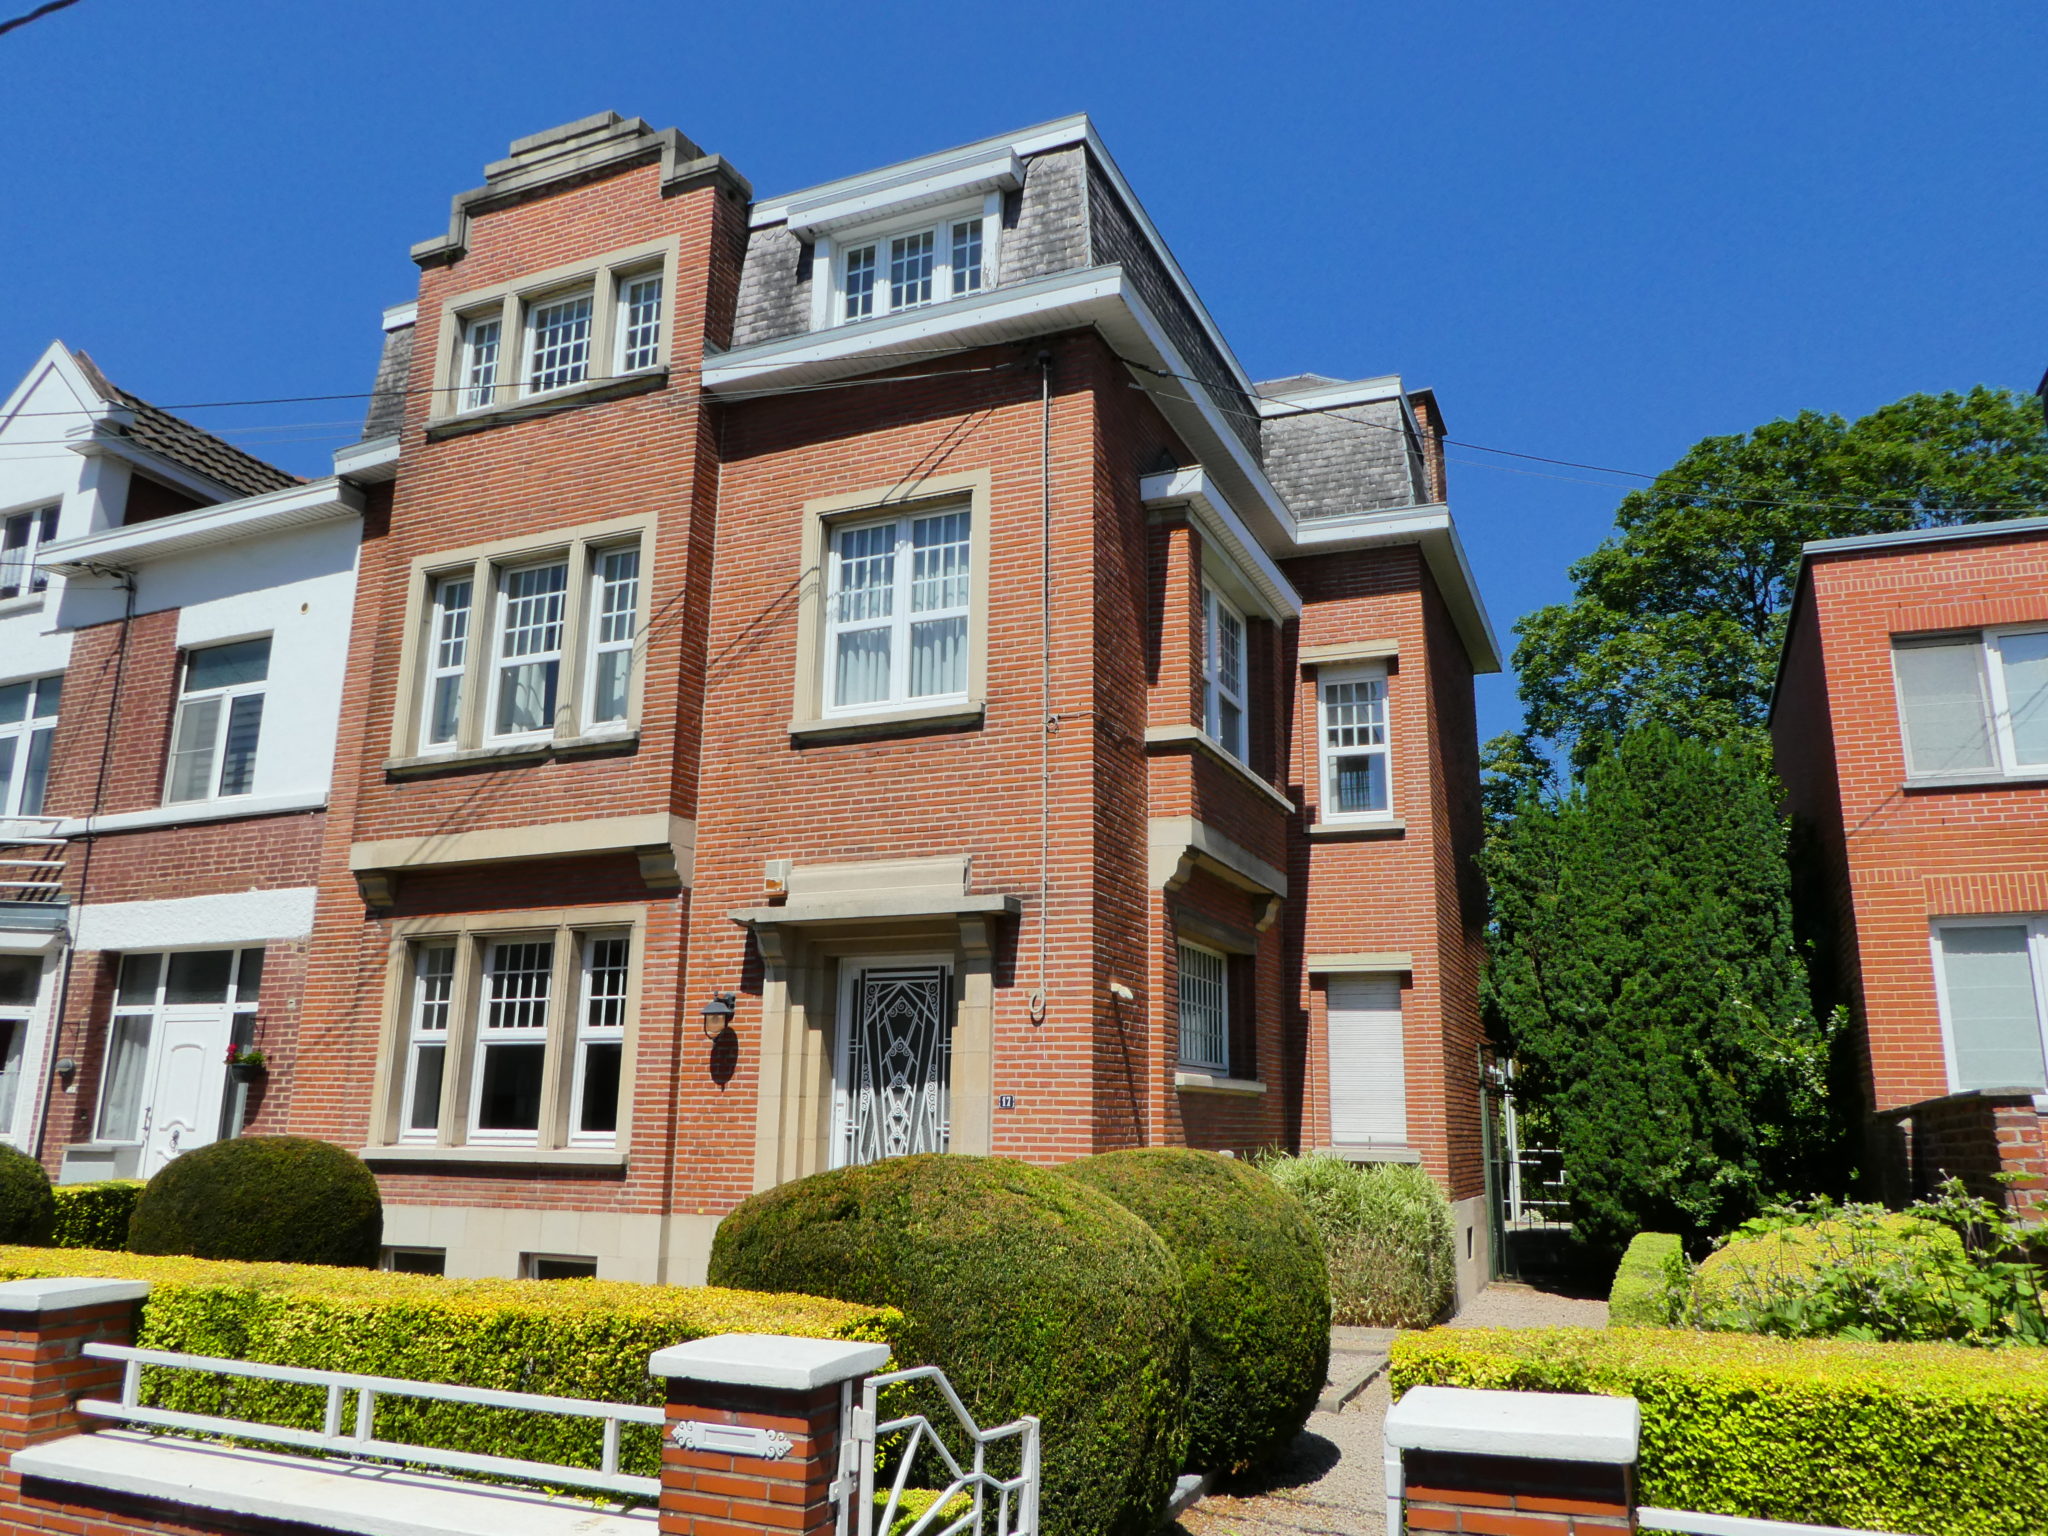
x,y
35,15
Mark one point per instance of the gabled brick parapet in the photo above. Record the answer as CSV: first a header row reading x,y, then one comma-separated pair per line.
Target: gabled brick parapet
x,y
753,1436
1511,1463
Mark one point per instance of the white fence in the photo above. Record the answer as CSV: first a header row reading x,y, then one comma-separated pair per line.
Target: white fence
x,y
1015,1498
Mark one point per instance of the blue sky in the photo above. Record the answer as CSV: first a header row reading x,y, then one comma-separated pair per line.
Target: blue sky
x,y
1599,231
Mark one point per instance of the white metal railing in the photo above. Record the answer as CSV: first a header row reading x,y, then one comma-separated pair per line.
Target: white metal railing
x,y
361,1441
1016,1498
1694,1524
31,859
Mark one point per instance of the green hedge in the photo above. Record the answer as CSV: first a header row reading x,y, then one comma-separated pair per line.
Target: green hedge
x,y
569,1338
95,1215
1937,1439
263,1199
1258,1294
1387,1233
27,1208
1034,1293
1637,1297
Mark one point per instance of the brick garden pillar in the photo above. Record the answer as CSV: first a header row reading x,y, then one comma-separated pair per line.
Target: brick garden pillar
x,y
1511,1463
44,1326
754,1426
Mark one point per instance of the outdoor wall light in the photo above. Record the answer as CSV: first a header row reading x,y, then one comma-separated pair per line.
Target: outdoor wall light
x,y
718,1014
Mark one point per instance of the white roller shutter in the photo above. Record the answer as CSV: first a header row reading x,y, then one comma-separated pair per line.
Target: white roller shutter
x,y
1368,1087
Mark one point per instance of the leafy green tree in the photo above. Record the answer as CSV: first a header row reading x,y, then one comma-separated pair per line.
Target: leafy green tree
x,y
1644,973
1678,617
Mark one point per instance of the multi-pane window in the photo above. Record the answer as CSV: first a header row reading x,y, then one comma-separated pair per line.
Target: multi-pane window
x,y
148,985
28,724
896,611
600,1037
1351,725
614,610
512,1039
639,323
1223,673
448,658
22,537
220,716
916,267
20,980
527,665
558,343
1974,704
1204,1009
480,344
426,1062
1992,984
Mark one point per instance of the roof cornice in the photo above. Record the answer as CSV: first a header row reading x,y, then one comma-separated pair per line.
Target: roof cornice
x,y
1430,529
183,533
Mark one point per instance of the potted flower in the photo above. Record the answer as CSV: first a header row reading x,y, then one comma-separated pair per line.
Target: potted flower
x,y
246,1064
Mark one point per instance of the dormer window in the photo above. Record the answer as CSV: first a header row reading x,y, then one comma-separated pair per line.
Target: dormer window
x,y
905,269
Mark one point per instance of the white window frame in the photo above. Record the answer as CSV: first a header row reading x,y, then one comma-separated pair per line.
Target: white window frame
x,y
19,1022
1219,1062
430,997
900,620
624,287
1988,644
480,377
531,345
501,665
487,1035
948,281
227,695
1327,755
2036,926
241,1011
595,1032
451,636
1216,688
40,524
33,732
611,631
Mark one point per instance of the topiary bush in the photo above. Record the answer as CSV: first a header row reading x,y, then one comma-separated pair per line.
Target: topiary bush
x,y
1640,1297
1257,1287
275,1199
1387,1233
27,1208
94,1215
1035,1293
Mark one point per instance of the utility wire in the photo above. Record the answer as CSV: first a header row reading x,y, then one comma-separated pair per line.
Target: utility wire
x,y
35,15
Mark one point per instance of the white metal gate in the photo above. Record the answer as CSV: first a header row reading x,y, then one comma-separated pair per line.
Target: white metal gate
x,y
991,1504
895,1063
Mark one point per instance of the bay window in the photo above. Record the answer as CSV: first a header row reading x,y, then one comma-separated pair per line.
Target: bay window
x,y
512,1038
219,721
1223,673
898,599
1351,732
28,725
1974,704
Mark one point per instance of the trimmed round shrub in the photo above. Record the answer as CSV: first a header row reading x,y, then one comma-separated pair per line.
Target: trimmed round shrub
x,y
1258,1294
1034,1293
28,1209
1746,1272
276,1199
1387,1233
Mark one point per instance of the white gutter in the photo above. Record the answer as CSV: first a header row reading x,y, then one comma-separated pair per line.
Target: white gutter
x,y
1429,528
229,522
1219,521
1909,536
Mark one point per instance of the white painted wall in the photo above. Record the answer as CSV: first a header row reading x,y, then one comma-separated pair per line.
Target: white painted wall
x,y
197,922
36,468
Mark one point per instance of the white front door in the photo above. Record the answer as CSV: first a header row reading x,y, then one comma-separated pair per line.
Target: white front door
x,y
189,1083
1368,1077
892,1087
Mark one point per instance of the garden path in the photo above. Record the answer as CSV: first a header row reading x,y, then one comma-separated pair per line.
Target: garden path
x,y
1331,1481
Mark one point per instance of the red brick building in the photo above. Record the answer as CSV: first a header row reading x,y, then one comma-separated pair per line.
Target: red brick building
x,y
1911,727
862,672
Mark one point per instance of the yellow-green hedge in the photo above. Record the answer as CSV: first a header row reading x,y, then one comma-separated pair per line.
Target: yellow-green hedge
x,y
95,1215
1636,1300
1935,1439
568,1338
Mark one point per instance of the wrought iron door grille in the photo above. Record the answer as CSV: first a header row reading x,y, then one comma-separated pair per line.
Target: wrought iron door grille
x,y
899,1064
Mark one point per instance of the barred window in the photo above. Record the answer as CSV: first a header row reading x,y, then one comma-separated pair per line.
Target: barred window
x,y
1204,1009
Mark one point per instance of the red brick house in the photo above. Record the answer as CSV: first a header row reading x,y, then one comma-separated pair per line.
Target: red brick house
x,y
866,671
1911,729
173,613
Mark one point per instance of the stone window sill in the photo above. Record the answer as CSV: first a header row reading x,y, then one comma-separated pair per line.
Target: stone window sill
x,y
595,392
892,722
522,1157
1391,827
1210,1082
1192,738
512,755
2026,777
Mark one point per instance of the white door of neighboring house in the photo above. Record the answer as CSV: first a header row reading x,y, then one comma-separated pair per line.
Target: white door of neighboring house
x,y
183,1107
1368,1077
892,1083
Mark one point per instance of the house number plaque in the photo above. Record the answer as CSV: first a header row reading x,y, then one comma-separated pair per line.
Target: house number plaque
x,y
730,1439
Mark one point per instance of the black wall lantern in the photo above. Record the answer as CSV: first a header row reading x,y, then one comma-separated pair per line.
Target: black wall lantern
x,y
718,1014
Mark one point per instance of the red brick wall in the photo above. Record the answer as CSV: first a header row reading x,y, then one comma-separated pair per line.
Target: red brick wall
x,y
1884,858
1996,1144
